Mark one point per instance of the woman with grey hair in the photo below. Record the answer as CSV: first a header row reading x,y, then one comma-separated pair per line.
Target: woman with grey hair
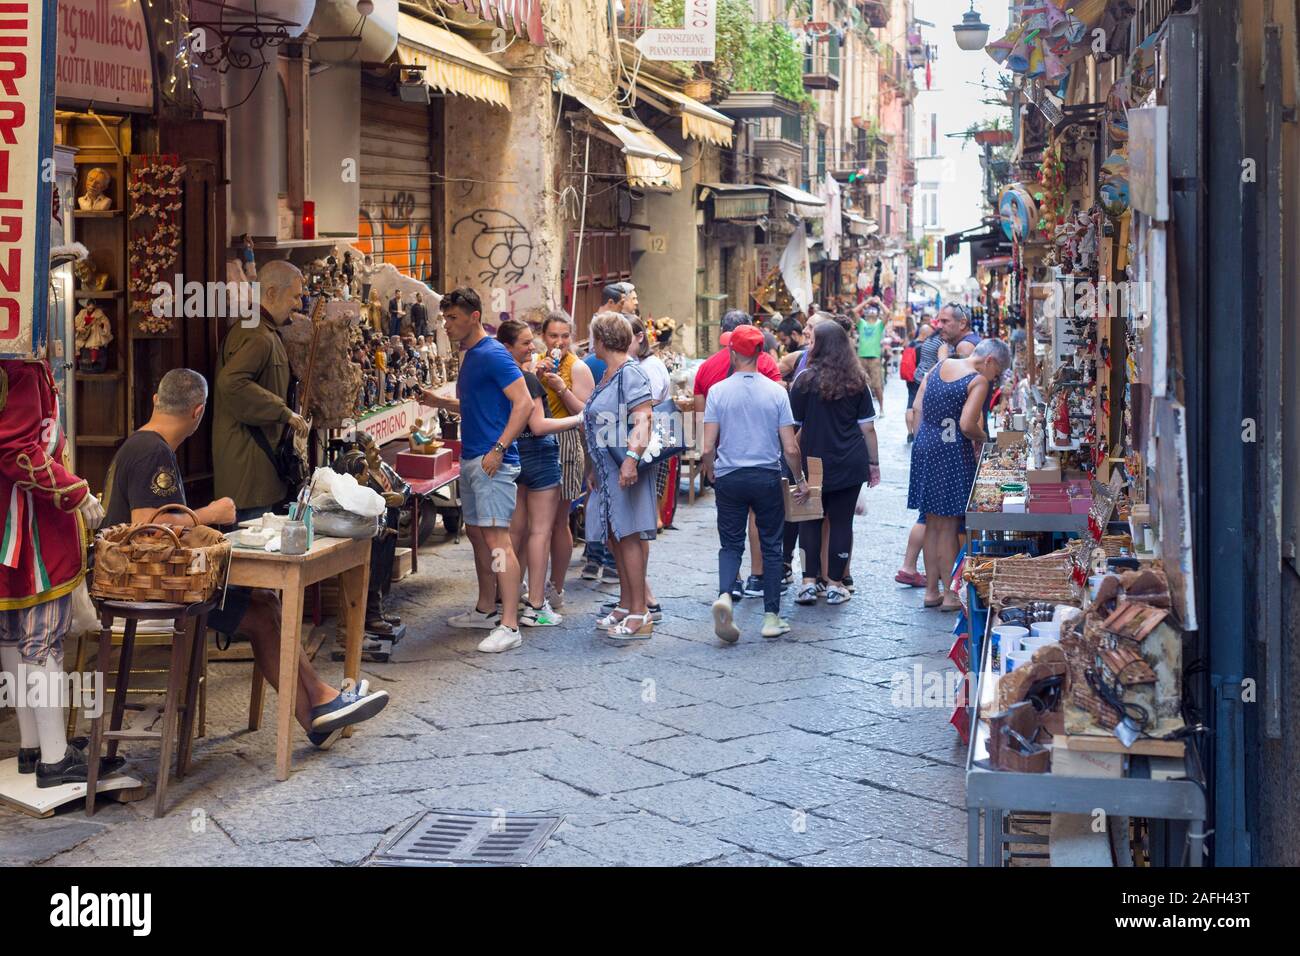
x,y
621,507
950,411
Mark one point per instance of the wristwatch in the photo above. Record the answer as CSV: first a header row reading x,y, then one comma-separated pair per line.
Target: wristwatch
x,y
498,447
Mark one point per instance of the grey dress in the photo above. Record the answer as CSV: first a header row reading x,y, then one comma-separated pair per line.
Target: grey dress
x,y
611,509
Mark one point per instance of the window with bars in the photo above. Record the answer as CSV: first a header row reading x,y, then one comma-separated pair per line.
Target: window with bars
x,y
821,155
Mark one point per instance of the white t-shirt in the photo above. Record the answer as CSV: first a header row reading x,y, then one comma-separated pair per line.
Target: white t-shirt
x,y
661,384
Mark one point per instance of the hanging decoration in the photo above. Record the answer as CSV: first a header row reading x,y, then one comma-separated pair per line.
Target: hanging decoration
x,y
1017,212
154,188
1051,35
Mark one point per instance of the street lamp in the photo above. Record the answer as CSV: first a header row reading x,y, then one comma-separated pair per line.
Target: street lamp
x,y
972,33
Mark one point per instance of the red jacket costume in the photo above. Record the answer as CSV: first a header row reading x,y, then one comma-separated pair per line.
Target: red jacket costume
x,y
42,554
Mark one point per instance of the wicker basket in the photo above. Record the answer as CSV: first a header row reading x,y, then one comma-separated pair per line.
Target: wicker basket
x,y
699,88
153,562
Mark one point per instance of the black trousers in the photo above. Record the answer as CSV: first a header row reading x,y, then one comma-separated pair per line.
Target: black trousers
x,y
739,492
383,552
837,506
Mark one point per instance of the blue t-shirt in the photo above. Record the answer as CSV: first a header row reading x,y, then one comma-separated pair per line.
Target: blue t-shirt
x,y
486,370
597,367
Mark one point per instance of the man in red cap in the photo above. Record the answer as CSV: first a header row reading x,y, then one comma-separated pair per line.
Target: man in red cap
x,y
712,371
748,427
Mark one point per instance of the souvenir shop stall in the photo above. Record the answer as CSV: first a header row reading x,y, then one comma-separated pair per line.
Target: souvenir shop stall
x,y
1076,575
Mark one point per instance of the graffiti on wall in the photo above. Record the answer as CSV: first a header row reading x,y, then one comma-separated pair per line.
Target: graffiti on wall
x,y
390,231
499,242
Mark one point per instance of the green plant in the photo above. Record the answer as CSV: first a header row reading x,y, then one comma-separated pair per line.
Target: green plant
x,y
735,25
772,62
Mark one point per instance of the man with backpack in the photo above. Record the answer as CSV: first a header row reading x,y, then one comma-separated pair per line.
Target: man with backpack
x,y
907,371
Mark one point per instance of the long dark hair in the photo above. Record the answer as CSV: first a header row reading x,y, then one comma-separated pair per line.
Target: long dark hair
x,y
833,370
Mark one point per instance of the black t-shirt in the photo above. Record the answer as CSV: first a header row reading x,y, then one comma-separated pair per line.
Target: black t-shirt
x,y
832,432
144,474
536,390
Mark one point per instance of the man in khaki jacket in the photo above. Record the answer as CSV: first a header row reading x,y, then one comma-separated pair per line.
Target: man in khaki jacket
x,y
251,384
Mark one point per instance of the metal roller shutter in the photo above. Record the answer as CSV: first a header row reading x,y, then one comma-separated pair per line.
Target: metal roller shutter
x,y
396,220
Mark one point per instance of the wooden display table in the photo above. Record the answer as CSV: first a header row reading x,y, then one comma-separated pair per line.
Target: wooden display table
x,y
346,559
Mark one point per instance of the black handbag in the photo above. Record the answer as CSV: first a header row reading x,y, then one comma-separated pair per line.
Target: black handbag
x,y
284,458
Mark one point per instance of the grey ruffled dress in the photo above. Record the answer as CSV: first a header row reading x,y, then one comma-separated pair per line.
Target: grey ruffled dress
x,y
613,510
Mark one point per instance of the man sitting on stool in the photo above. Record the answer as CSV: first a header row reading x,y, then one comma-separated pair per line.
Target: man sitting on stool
x,y
144,476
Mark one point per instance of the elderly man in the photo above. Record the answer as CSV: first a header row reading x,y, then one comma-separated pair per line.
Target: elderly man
x,y
748,426
144,476
953,323
250,410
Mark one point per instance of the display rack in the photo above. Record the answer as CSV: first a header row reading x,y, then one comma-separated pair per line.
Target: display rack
x,y
991,795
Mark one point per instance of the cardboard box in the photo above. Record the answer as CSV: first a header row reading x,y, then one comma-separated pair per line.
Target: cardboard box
x,y
810,508
1043,476
410,465
1010,438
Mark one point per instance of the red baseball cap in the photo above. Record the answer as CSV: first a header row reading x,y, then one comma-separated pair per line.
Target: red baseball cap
x,y
747,340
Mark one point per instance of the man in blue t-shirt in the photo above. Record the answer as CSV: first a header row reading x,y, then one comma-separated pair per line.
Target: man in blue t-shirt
x,y
493,402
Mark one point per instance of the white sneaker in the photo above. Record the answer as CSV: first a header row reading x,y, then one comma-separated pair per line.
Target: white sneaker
x,y
555,597
774,625
476,618
806,594
501,639
837,595
543,616
723,625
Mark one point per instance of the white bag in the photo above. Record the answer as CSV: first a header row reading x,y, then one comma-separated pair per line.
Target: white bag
x,y
84,616
861,507
350,496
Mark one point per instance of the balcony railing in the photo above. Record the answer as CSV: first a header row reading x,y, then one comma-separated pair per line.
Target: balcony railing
x,y
822,64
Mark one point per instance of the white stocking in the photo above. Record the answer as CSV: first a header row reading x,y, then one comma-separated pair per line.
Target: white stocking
x,y
11,662
50,719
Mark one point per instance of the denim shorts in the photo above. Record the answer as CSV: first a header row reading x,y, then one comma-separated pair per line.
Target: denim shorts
x,y
487,501
539,463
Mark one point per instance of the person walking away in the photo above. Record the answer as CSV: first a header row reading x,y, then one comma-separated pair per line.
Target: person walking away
x,y
748,428
249,392
871,331
951,399
493,402
538,493
832,406
621,502
713,370
568,382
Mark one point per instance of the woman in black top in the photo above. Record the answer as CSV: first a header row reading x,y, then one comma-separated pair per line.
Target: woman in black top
x,y
832,406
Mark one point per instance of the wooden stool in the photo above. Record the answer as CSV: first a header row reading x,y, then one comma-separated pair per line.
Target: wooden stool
x,y
188,632
691,459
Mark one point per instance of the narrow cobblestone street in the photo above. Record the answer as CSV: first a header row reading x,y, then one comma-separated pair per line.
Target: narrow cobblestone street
x,y
678,751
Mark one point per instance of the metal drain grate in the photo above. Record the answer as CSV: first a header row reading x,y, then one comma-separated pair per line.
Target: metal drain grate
x,y
493,838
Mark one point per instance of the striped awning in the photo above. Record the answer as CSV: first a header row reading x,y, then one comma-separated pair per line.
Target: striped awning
x,y
650,163
451,63
698,121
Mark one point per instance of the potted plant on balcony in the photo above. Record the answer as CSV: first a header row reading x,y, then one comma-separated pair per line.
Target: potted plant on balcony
x,y
997,133
771,62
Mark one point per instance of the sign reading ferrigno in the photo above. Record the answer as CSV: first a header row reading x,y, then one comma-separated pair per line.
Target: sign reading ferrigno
x,y
695,41
23,276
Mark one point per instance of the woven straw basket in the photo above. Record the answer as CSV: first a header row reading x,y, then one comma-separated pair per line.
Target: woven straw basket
x,y
158,562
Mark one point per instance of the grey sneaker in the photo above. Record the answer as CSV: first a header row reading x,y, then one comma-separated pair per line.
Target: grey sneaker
x,y
774,625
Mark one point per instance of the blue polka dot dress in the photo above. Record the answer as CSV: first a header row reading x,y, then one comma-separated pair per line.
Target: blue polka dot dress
x,y
943,459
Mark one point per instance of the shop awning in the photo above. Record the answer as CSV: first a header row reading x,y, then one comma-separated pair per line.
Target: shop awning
x,y
805,204
650,163
737,200
451,63
698,121
860,225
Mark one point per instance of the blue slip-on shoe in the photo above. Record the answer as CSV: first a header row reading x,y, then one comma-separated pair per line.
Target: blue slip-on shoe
x,y
354,704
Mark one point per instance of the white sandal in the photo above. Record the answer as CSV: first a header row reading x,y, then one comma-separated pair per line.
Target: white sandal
x,y
622,631
806,594
837,595
611,619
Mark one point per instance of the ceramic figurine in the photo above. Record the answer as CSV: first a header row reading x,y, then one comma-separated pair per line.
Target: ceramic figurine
x,y
93,333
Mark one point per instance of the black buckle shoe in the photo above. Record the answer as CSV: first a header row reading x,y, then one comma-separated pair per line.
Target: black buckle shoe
x,y
385,615
72,769
29,757
378,627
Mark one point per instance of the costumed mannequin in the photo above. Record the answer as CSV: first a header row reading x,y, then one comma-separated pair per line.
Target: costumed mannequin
x,y
42,560
96,197
93,333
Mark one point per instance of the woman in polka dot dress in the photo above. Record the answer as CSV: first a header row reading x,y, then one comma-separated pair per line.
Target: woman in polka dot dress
x,y
950,409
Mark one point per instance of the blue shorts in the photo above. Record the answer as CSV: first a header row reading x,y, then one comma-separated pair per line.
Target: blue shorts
x,y
539,463
487,501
